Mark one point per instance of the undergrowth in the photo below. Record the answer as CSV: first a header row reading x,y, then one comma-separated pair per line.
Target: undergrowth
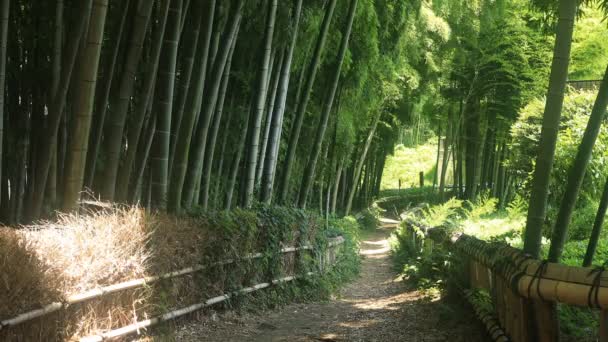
x,y
430,271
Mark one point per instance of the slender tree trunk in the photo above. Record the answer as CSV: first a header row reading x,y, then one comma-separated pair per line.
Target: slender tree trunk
x,y
182,19
194,101
360,162
49,142
220,167
472,143
51,188
236,162
550,128
336,187
159,159
303,103
143,152
446,155
253,143
3,45
479,157
270,162
577,172
191,39
438,157
113,143
597,228
197,153
147,98
83,107
309,171
102,102
270,111
210,149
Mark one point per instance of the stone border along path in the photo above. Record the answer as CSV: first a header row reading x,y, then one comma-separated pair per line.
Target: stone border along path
x,y
378,306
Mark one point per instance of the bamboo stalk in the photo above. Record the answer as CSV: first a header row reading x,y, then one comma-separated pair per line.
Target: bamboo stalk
x,y
137,326
136,283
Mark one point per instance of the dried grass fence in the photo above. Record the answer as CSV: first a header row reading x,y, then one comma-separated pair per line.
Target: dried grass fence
x,y
516,283
324,261
125,268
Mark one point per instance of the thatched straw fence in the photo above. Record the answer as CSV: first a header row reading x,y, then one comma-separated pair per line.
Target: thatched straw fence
x,y
518,283
89,275
326,260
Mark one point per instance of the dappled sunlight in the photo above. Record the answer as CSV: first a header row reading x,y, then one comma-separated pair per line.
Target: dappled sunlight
x,y
394,302
383,249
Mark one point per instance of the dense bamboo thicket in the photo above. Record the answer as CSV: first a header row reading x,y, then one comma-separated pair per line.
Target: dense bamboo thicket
x,y
183,104
207,105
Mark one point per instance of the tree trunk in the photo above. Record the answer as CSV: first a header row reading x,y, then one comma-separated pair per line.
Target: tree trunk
x,y
197,153
446,154
146,100
193,106
220,167
217,119
83,108
438,157
336,187
49,143
103,99
597,228
309,171
143,152
270,162
359,166
550,128
253,143
159,159
113,142
236,162
191,39
305,96
3,45
577,172
270,111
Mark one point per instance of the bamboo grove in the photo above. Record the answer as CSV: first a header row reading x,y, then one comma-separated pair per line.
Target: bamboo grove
x,y
209,105
177,104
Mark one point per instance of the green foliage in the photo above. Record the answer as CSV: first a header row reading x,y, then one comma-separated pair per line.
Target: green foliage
x,y
369,219
267,229
525,134
397,201
446,214
589,50
406,163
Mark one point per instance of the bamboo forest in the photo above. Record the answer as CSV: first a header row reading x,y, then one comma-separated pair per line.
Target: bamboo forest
x,y
303,170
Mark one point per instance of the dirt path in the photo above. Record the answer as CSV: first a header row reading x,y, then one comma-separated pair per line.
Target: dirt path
x,y
376,307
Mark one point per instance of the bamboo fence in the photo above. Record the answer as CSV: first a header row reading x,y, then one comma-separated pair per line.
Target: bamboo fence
x,y
518,283
141,282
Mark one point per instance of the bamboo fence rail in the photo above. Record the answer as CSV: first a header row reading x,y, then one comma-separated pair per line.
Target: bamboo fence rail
x,y
518,282
136,283
137,326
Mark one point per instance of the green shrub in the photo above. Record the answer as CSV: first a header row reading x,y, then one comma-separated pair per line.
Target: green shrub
x,y
369,219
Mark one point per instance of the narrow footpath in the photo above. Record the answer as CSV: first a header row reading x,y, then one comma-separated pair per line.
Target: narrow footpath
x,y
378,306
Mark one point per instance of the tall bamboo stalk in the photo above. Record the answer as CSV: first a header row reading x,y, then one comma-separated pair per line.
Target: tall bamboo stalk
x,y
303,103
309,171
276,124
113,142
159,158
83,107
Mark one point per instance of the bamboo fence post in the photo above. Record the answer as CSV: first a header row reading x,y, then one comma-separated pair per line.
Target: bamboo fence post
x,y
603,333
